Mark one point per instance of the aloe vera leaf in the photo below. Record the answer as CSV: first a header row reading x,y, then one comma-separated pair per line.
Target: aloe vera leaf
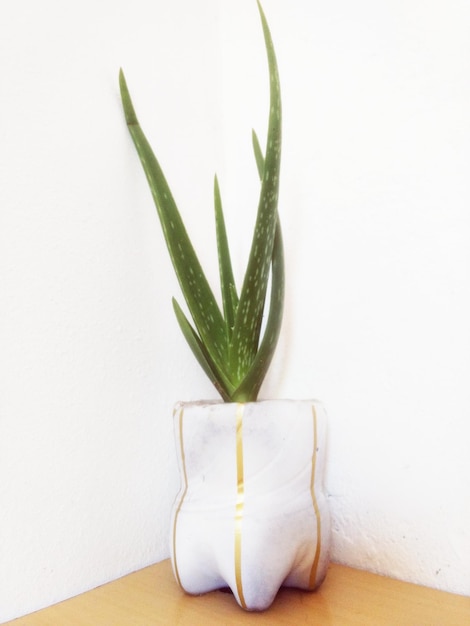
x,y
250,386
194,285
259,156
216,377
249,315
227,281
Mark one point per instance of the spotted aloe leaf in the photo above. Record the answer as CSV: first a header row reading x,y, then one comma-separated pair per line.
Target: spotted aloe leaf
x,y
227,280
248,322
251,384
227,344
197,292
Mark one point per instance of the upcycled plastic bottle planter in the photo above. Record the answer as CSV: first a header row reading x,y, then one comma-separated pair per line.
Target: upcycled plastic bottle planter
x,y
251,513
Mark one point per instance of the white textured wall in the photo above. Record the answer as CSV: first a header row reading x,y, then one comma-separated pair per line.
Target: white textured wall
x,y
375,197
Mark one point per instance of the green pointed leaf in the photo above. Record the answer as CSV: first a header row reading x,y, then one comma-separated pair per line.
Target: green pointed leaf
x,y
245,338
259,156
194,285
250,386
215,376
227,281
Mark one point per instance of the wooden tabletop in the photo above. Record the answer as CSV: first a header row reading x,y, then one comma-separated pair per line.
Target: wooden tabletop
x,y
150,597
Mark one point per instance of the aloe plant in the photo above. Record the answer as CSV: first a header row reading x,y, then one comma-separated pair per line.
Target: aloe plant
x,y
232,345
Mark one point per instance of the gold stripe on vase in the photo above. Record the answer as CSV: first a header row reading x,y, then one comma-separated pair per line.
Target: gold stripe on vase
x,y
239,503
183,495
313,571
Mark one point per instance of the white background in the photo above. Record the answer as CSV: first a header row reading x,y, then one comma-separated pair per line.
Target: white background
x,y
375,200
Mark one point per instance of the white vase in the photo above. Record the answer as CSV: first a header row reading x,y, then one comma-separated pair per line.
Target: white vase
x,y
251,513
